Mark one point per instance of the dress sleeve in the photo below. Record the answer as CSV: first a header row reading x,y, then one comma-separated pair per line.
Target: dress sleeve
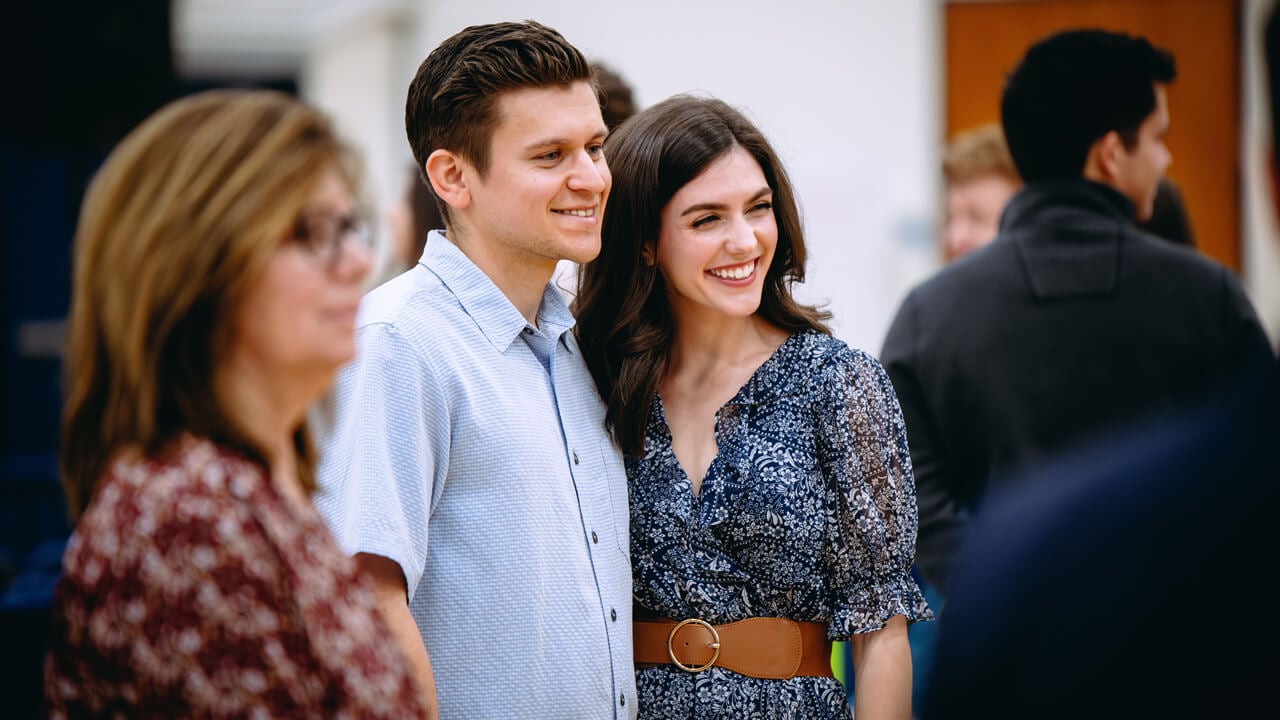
x,y
383,464
871,514
172,603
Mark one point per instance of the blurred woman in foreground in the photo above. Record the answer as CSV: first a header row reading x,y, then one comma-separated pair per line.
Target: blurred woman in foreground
x,y
218,267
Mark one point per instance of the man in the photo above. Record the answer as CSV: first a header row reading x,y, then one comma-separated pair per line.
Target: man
x,y
980,179
1072,323
1128,579
468,469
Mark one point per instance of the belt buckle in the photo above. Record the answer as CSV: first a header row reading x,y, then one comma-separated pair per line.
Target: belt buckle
x,y
715,645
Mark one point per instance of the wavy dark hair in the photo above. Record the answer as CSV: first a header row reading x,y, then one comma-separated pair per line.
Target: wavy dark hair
x,y
624,324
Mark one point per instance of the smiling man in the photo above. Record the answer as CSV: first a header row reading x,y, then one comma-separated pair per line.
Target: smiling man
x,y
1072,323
468,469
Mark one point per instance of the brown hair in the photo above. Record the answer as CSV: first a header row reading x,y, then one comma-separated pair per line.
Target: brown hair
x,y
175,228
625,325
452,100
978,152
614,93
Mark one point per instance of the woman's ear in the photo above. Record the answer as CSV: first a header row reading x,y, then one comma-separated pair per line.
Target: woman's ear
x,y
646,254
446,172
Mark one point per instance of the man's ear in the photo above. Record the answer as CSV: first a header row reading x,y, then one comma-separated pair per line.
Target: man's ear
x,y
1102,164
448,177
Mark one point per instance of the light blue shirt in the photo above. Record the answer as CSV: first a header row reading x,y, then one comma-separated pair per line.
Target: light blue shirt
x,y
469,447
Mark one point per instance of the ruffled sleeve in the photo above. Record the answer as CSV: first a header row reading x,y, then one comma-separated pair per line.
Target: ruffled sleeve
x,y
871,510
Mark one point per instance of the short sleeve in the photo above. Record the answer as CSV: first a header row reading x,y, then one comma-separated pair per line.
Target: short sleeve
x,y
173,603
871,523
384,461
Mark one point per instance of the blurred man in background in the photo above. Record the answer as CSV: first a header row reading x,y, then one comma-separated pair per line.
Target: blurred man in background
x,y
980,178
1072,322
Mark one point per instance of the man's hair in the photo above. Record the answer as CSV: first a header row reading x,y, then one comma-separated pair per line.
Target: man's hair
x,y
175,230
452,101
625,323
1071,89
616,101
1272,47
976,153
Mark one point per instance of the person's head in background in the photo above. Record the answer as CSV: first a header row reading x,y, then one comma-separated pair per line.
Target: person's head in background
x,y
1091,104
697,186
217,270
980,178
410,218
505,122
1169,219
617,101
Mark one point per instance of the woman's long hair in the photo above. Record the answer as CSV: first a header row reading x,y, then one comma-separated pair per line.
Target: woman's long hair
x,y
176,226
624,320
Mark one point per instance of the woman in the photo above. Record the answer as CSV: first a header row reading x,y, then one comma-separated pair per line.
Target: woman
x,y
768,464
218,267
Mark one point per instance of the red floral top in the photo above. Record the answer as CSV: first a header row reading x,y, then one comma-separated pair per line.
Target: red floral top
x,y
192,588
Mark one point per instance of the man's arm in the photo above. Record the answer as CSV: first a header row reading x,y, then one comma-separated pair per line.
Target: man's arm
x,y
391,595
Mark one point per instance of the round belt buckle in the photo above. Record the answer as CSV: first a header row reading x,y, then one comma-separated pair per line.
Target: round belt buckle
x,y
715,645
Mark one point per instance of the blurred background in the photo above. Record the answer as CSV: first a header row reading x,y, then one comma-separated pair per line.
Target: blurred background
x,y
859,97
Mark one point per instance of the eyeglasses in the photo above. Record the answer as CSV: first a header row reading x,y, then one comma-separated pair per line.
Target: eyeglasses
x,y
322,235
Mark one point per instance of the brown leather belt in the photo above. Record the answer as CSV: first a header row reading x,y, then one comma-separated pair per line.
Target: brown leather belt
x,y
760,647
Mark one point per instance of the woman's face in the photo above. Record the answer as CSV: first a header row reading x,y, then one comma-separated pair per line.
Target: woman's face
x,y
298,320
717,238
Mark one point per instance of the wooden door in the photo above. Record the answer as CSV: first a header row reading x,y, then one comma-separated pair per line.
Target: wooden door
x,y
986,39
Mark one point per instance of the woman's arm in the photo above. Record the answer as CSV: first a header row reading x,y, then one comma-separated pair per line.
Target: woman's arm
x,y
391,597
882,672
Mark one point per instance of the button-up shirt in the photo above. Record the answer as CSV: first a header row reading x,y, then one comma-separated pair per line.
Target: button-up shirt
x,y
468,446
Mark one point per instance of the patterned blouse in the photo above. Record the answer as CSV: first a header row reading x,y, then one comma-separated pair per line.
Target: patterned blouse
x,y
192,588
807,512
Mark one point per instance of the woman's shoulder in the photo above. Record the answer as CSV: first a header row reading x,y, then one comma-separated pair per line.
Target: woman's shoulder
x,y
192,482
825,359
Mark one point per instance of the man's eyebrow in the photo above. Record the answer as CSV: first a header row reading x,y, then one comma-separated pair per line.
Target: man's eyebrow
x,y
556,141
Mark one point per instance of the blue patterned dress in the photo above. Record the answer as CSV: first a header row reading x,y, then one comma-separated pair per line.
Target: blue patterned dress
x,y
807,512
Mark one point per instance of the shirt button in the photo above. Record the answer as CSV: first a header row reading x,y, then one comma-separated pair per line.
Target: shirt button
x,y
575,457
622,700
613,614
528,331
594,539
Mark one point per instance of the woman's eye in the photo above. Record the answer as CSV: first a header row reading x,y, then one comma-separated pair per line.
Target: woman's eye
x,y
705,220
765,205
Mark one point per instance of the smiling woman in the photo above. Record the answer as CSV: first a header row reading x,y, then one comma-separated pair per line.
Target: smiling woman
x,y
218,264
771,497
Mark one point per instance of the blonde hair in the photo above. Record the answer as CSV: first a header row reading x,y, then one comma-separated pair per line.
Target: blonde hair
x,y
177,225
978,152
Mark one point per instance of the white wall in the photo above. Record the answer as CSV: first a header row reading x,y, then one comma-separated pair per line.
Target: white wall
x,y
847,92
1261,239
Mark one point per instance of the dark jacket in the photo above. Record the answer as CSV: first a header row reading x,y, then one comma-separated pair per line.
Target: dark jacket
x,y
1070,324
1127,580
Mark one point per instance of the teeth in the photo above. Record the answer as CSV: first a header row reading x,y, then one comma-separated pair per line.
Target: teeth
x,y
734,273
579,213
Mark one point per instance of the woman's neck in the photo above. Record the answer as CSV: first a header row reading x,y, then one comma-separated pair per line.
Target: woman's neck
x,y
268,410
704,346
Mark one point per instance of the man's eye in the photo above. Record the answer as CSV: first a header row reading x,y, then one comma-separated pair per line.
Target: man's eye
x,y
551,156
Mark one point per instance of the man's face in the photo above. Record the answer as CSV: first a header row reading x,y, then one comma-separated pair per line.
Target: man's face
x,y
543,195
1142,166
973,212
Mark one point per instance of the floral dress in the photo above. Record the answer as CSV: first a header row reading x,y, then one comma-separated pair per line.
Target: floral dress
x,y
808,512
191,588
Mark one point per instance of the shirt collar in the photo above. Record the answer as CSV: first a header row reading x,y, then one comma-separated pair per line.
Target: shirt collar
x,y
491,310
